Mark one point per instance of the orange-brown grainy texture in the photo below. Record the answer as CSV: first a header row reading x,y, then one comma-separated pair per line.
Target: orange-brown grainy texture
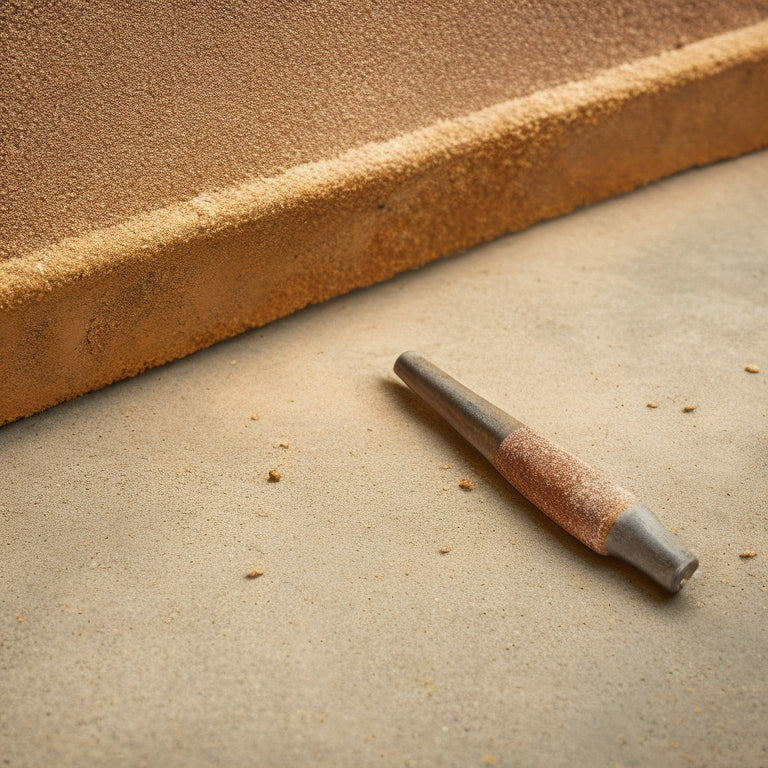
x,y
152,273
577,497
113,108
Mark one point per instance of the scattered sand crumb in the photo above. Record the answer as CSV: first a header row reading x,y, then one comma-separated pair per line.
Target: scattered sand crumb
x,y
689,407
255,417
466,485
652,404
751,368
512,540
19,618
274,476
445,466
255,573
283,445
445,550
489,759
747,553
264,513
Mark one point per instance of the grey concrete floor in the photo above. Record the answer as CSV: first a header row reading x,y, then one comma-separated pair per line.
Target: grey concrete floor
x,y
130,518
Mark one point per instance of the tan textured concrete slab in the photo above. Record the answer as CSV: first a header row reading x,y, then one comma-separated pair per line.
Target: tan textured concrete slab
x,y
115,109
174,177
130,635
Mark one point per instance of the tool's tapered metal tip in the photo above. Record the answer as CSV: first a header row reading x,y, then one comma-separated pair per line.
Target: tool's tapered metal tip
x,y
637,537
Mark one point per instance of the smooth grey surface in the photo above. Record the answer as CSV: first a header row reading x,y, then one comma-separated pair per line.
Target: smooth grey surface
x,y
130,635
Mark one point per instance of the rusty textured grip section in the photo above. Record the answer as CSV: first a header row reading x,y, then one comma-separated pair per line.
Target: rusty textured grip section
x,y
577,497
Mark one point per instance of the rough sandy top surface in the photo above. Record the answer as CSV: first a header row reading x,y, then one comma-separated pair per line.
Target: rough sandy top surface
x,y
110,110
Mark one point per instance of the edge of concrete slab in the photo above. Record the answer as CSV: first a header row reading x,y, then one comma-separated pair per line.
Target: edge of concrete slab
x,y
94,309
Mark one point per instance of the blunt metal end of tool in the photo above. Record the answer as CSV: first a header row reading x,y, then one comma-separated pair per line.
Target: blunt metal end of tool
x,y
581,500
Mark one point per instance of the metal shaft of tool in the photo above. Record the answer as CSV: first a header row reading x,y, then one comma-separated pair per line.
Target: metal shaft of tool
x,y
482,424
581,500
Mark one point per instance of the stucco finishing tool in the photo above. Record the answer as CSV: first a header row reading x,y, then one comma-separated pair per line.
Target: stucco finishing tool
x,y
581,500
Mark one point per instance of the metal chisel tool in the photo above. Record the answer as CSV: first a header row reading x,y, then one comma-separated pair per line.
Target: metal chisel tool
x,y
607,518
